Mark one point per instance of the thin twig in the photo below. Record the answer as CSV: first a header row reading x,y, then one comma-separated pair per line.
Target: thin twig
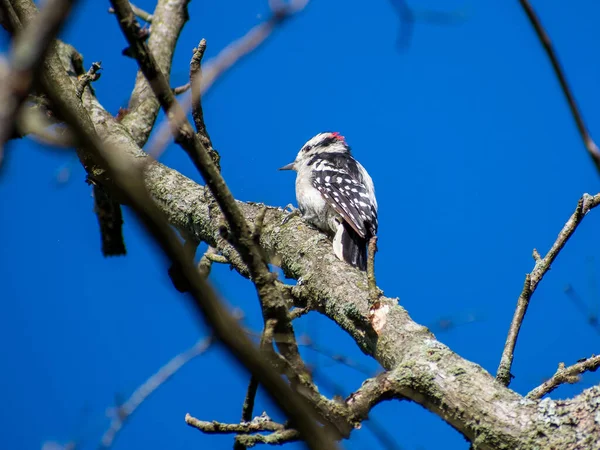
x,y
374,293
197,111
91,75
589,143
124,411
139,12
248,407
276,438
261,423
565,375
226,59
266,344
28,52
585,204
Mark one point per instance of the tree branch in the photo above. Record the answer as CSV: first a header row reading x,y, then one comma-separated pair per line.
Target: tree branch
x,y
127,177
542,265
565,375
91,75
27,55
245,45
124,411
139,12
458,391
263,423
542,35
168,20
272,302
226,59
276,438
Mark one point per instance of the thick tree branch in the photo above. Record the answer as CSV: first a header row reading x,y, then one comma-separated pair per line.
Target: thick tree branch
x,y
127,177
167,22
565,375
542,35
542,265
458,391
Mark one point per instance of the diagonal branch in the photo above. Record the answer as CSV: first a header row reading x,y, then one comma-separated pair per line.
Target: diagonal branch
x,y
542,265
226,59
28,53
245,45
139,12
457,390
589,143
565,375
124,411
127,177
240,235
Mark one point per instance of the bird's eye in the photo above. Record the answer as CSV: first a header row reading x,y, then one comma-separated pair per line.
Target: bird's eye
x,y
307,148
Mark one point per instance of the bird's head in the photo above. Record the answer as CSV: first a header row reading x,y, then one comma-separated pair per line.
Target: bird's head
x,y
321,143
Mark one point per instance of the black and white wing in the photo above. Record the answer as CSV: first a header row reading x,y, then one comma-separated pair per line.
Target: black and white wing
x,y
348,188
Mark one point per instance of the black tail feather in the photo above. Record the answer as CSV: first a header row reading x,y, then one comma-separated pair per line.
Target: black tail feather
x,y
354,248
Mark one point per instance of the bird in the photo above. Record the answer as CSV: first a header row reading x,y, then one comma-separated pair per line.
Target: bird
x,y
336,195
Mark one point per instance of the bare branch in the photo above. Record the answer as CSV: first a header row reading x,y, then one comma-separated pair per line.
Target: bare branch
x,y
171,15
27,56
565,375
91,75
197,112
272,302
261,423
110,221
589,143
276,438
139,12
226,59
585,204
245,45
373,289
124,411
129,180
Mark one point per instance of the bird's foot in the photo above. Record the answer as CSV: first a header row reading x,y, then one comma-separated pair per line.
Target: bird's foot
x,y
294,212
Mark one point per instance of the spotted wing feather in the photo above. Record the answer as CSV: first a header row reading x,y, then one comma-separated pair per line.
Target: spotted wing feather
x,y
348,196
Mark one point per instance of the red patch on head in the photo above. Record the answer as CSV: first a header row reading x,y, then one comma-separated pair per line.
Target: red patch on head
x,y
338,136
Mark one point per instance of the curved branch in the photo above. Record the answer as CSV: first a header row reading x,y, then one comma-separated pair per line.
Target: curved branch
x,y
420,368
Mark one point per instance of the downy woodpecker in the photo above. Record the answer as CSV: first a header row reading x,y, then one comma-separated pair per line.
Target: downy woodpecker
x,y
336,195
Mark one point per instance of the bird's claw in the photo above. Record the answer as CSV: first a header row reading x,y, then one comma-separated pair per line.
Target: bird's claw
x,y
294,212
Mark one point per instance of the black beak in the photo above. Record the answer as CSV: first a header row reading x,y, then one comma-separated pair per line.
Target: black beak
x,y
290,166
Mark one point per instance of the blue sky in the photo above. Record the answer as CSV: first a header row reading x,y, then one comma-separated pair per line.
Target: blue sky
x,y
475,158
